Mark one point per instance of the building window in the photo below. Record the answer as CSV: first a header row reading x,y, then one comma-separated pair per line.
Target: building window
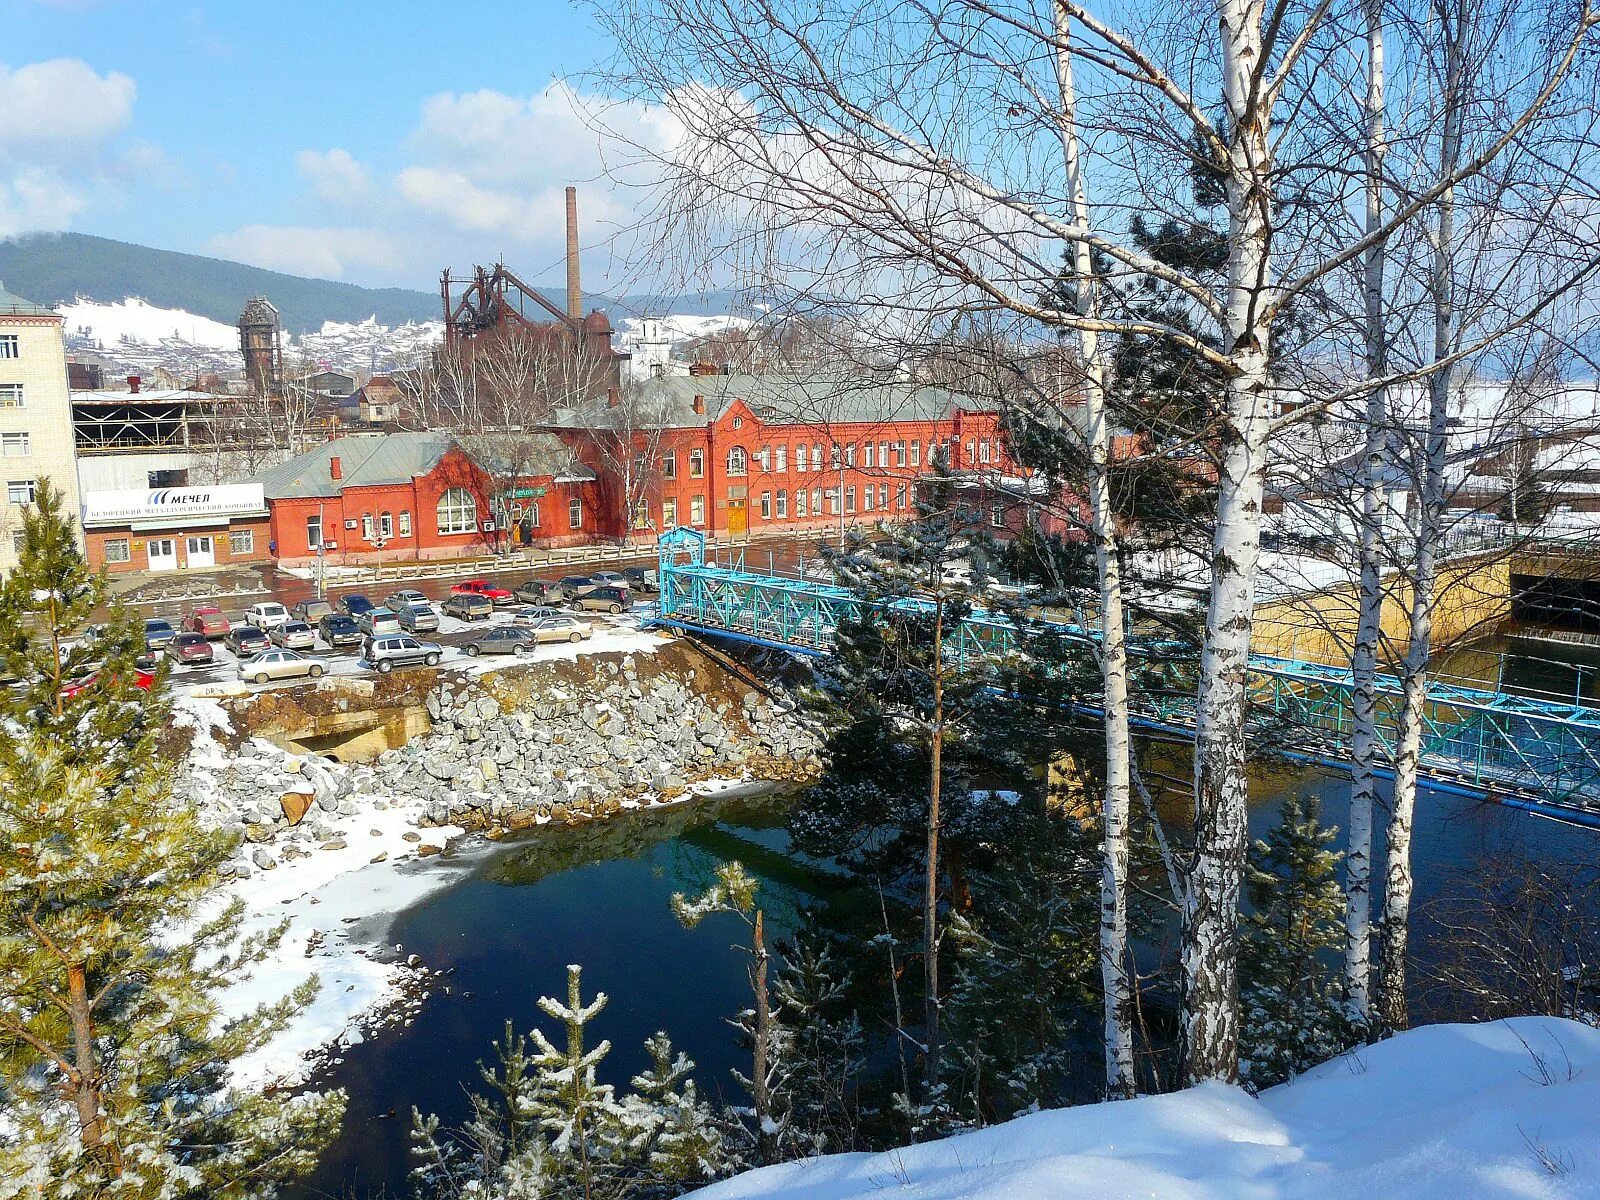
x,y
669,465
983,451
241,542
19,540
835,456
899,454
14,445
850,455
780,458
833,501
366,527
766,506
783,503
867,499
916,454
816,502
816,456
764,459
900,497
883,454
697,510
867,456
457,512
386,525
697,464
532,511
641,515
405,521
738,464
10,394
314,531
800,457
575,513
850,499
738,422
669,514
19,491
972,455
800,502
8,346
997,516
118,549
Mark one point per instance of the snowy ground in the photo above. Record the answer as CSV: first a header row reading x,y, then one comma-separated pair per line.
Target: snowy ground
x,y
1450,1112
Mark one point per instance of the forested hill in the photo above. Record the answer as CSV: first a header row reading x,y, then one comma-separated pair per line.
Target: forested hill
x,y
54,268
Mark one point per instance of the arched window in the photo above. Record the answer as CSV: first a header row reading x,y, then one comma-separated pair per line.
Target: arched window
x,y
458,512
738,463
366,527
386,525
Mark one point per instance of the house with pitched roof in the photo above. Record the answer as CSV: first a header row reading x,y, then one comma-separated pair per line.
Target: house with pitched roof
x,y
370,498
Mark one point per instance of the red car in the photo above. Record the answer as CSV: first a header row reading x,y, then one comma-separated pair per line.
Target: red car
x,y
141,679
208,620
482,587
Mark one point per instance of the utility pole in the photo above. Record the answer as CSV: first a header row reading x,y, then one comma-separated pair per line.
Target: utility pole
x,y
322,540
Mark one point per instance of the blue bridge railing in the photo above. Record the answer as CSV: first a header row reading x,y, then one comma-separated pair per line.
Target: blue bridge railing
x,y
1479,742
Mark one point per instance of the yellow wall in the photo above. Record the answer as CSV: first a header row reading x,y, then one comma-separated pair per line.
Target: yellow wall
x,y
1473,597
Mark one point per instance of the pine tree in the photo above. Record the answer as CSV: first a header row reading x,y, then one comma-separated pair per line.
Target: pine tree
x,y
499,1153
1290,994
825,1049
767,1117
577,1113
666,1128
114,1057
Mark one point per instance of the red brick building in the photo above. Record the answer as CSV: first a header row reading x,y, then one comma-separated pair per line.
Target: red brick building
x,y
175,529
399,496
750,454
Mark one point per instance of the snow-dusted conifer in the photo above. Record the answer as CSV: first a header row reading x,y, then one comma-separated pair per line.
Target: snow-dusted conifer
x,y
665,1127
766,1121
577,1113
114,1057
824,1040
1292,1003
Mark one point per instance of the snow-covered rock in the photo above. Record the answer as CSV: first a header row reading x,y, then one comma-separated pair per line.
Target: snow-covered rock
x,y
1505,1110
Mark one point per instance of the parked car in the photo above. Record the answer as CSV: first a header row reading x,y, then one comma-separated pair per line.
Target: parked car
x,y
269,614
207,619
311,611
482,587
569,586
420,617
532,616
507,639
143,680
399,650
377,620
339,630
642,579
467,607
560,629
404,598
245,640
190,648
158,634
603,599
538,591
609,579
294,635
355,604
279,664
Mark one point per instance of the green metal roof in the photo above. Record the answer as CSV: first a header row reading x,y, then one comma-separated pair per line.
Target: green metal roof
x,y
13,305
390,458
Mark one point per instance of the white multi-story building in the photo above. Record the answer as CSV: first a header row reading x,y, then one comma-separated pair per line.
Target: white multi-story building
x,y
35,416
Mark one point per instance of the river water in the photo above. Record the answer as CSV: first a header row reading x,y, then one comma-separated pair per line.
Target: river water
x,y
598,894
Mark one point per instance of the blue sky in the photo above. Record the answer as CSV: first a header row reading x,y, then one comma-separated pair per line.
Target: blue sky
x,y
350,139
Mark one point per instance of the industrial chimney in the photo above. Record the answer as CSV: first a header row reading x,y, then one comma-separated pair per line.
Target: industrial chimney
x,y
574,287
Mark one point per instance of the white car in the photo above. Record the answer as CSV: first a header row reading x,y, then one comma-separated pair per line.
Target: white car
x,y
266,615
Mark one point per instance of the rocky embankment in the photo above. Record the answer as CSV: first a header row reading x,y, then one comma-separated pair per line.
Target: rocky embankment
x,y
507,749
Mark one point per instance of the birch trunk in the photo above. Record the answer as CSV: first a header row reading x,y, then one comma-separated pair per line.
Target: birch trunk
x,y
1221,786
1398,883
1364,656
1115,962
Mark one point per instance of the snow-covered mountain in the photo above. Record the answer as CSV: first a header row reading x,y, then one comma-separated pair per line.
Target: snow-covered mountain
x,y
138,336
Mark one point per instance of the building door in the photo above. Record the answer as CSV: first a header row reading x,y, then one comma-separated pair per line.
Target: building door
x,y
738,518
163,554
202,552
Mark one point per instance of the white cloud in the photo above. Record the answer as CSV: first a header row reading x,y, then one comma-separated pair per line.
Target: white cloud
x,y
35,198
61,109
325,252
334,176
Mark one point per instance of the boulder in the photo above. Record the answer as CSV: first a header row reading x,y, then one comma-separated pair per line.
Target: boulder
x,y
295,806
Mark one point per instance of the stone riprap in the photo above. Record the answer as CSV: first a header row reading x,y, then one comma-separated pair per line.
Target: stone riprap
x,y
499,757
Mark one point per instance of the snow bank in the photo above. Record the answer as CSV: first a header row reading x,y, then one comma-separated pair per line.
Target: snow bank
x,y
135,320
1448,1112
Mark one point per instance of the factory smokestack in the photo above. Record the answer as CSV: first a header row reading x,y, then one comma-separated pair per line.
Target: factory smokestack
x,y
574,287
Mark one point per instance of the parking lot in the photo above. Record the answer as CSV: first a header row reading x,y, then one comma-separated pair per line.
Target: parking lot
x,y
606,630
